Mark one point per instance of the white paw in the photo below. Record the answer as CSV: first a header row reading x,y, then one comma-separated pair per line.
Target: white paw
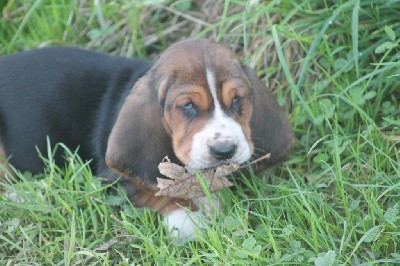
x,y
184,225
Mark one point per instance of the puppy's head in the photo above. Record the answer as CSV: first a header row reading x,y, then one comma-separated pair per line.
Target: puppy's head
x,y
207,100
198,105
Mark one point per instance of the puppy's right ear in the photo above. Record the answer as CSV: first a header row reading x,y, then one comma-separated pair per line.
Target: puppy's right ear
x,y
138,141
271,132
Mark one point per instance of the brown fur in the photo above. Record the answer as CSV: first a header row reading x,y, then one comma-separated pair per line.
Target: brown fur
x,y
163,205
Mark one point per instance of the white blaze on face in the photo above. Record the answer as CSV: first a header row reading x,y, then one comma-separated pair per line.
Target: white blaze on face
x,y
220,129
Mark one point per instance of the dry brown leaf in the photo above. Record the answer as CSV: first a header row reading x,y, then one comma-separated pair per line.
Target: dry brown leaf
x,y
173,171
187,186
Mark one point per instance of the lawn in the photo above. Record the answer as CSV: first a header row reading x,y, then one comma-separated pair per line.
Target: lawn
x,y
334,67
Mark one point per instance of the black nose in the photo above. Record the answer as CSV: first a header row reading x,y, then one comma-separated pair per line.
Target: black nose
x,y
223,151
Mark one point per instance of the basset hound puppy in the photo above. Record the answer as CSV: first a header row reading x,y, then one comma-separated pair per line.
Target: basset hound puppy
x,y
198,105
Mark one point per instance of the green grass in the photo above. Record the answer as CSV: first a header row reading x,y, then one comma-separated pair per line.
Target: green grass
x,y
334,66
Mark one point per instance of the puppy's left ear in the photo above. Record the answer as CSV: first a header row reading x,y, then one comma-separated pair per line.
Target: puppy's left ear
x,y
138,141
270,130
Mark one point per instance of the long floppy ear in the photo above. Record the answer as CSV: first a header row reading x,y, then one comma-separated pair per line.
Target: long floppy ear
x,y
270,129
138,141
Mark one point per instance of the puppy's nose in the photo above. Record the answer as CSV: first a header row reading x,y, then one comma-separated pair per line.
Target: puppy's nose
x,y
223,151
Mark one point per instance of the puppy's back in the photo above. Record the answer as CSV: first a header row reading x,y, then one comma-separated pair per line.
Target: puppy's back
x,y
55,92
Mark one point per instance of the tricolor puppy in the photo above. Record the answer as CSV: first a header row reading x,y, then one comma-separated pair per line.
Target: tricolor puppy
x,y
198,105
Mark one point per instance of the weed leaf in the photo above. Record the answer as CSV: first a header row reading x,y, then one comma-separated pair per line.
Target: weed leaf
x,y
372,234
392,214
326,259
390,33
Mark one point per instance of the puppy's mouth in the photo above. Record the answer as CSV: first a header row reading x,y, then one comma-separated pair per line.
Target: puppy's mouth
x,y
192,170
244,163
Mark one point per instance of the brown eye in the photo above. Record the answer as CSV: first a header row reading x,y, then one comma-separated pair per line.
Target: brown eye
x,y
237,104
189,110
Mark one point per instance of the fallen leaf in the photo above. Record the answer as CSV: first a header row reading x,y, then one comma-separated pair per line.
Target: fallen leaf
x,y
187,186
173,171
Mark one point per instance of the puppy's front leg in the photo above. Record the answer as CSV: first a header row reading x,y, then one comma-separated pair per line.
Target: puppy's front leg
x,y
182,218
184,224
